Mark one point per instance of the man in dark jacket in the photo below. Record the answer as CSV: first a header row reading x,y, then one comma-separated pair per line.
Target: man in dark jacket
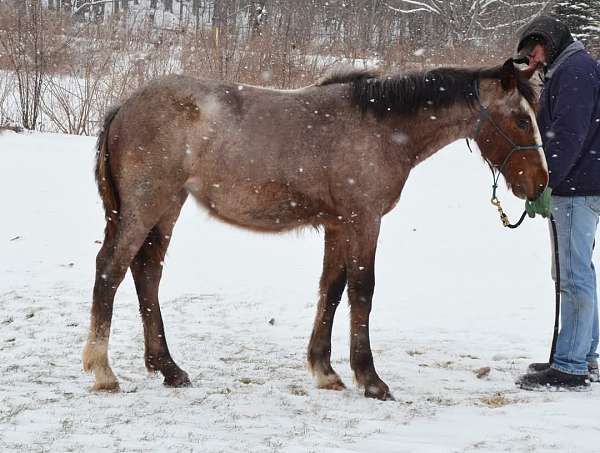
x,y
569,122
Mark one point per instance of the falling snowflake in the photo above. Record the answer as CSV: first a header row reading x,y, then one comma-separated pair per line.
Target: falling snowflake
x,y
399,138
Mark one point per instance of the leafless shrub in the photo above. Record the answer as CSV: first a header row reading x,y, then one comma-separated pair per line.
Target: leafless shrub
x,y
22,42
70,100
86,84
6,82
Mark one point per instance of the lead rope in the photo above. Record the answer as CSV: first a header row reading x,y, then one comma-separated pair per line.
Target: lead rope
x,y
505,221
556,289
494,200
484,114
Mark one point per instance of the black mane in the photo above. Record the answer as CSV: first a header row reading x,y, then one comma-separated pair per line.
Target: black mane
x,y
408,93
347,74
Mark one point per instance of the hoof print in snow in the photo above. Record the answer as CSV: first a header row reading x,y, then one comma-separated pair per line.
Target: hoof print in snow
x,y
297,390
482,372
446,364
248,381
496,400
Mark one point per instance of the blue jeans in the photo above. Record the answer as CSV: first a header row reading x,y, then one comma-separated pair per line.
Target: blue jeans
x,y
576,223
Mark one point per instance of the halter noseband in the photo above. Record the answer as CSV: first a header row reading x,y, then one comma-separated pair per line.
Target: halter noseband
x,y
484,114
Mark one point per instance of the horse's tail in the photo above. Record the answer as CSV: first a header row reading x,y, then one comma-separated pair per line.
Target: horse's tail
x,y
104,179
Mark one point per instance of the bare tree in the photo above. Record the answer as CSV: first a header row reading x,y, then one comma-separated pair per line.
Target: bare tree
x,y
283,43
583,18
23,40
465,20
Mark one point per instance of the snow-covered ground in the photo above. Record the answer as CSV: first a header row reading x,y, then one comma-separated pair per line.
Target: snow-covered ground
x,y
455,292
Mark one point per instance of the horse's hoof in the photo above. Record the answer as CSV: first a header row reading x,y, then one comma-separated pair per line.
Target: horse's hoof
x,y
336,385
178,380
379,392
106,381
108,387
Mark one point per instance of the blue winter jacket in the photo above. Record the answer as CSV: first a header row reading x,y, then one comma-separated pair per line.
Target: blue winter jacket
x,y
569,121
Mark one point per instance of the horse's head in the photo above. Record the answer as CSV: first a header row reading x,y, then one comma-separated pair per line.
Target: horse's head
x,y
507,133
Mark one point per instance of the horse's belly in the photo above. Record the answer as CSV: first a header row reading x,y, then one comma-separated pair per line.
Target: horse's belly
x,y
270,207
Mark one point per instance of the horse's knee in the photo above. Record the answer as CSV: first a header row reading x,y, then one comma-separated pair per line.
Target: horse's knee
x,y
332,286
109,273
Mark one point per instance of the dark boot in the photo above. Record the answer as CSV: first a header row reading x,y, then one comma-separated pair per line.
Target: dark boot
x,y
592,368
538,366
551,378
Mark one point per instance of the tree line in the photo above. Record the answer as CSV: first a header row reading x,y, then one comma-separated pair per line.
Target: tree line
x,y
364,24
66,61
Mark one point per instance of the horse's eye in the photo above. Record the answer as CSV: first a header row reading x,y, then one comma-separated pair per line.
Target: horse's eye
x,y
523,123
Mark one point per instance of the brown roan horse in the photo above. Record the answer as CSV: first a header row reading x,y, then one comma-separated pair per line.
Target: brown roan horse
x,y
333,155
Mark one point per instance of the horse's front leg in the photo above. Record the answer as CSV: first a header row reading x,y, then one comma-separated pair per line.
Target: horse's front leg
x,y
360,264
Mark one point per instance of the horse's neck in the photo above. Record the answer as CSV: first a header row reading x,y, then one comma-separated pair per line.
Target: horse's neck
x,y
430,131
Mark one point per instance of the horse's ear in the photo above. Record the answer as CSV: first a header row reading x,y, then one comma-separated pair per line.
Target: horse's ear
x,y
508,75
529,70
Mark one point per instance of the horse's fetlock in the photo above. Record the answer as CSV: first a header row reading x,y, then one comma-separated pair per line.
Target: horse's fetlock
x,y
95,355
329,381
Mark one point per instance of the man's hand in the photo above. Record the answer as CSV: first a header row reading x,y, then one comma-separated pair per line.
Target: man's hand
x,y
542,205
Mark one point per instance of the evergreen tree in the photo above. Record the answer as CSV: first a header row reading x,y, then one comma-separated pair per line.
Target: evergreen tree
x,y
583,18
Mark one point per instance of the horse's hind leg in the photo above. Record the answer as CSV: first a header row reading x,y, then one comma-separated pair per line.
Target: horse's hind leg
x,y
146,269
117,251
331,287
